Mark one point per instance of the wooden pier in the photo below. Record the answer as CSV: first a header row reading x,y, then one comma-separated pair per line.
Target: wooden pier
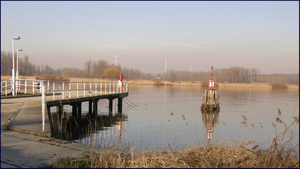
x,y
69,126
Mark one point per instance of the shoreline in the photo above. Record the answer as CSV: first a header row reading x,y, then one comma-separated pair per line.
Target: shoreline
x,y
168,83
220,85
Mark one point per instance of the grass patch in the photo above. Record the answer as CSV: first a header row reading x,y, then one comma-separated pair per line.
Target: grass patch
x,y
279,86
158,82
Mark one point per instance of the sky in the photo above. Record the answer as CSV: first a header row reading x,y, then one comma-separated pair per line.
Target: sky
x,y
191,36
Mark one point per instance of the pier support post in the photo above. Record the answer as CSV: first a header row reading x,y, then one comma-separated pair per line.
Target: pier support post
x,y
79,116
120,105
50,121
90,108
110,105
95,108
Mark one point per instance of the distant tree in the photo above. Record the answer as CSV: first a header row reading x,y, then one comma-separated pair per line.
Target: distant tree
x,y
111,73
172,77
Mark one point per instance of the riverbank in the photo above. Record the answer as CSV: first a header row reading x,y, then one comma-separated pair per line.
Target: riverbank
x,y
168,83
227,155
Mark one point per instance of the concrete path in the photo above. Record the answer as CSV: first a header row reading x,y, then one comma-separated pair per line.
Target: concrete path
x,y
25,145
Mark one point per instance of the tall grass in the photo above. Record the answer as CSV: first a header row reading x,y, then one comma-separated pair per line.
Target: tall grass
x,y
282,153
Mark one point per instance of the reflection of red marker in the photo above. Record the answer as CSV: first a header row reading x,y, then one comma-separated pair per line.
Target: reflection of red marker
x,y
120,131
204,119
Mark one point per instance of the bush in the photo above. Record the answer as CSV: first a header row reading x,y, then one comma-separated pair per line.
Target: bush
x,y
279,86
158,82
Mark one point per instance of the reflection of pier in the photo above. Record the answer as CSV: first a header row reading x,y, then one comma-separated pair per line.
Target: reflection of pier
x,y
108,131
210,120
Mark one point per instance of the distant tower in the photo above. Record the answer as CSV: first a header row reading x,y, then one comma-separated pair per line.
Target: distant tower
x,y
166,65
116,60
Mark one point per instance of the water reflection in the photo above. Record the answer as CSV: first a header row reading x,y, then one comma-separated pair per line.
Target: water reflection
x,y
108,131
210,120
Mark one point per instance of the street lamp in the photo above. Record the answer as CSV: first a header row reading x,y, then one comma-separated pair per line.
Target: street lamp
x,y
18,63
13,61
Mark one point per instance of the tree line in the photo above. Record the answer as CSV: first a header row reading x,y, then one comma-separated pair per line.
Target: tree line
x,y
231,75
103,69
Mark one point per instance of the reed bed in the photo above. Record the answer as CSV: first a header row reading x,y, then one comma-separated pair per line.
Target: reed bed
x,y
283,152
208,156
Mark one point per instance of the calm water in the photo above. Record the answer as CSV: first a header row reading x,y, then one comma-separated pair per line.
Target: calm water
x,y
149,123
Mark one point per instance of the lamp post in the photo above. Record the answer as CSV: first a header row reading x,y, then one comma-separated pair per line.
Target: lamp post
x,y
17,74
13,62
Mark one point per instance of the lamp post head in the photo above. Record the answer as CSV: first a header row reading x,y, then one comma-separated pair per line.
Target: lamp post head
x,y
20,49
16,38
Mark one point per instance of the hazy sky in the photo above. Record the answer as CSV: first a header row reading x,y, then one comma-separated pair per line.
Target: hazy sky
x,y
262,35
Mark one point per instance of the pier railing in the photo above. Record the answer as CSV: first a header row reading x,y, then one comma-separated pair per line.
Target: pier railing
x,y
63,89
67,90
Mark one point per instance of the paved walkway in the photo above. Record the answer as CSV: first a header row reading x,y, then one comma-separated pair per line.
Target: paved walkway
x,y
25,145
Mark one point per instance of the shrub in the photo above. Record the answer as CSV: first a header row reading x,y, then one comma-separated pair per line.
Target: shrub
x,y
158,82
279,86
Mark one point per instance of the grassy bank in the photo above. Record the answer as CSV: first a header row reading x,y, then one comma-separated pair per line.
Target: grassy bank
x,y
168,83
209,156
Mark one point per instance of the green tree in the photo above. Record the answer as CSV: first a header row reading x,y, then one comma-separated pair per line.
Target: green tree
x,y
111,73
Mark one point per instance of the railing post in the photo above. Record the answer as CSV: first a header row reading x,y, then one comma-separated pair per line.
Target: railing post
x,y
90,89
100,88
105,88
70,90
48,86
53,90
32,87
40,86
16,88
113,87
77,89
63,90
95,88
5,88
109,87
84,89
25,86
43,104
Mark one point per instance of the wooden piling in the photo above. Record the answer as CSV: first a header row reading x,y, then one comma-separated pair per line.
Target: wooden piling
x,y
110,105
119,105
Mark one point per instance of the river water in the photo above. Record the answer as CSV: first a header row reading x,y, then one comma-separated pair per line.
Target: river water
x,y
159,117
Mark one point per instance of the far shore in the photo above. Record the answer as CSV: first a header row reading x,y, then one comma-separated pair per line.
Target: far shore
x,y
168,83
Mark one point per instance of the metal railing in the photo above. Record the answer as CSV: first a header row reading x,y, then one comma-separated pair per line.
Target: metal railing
x,y
66,89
